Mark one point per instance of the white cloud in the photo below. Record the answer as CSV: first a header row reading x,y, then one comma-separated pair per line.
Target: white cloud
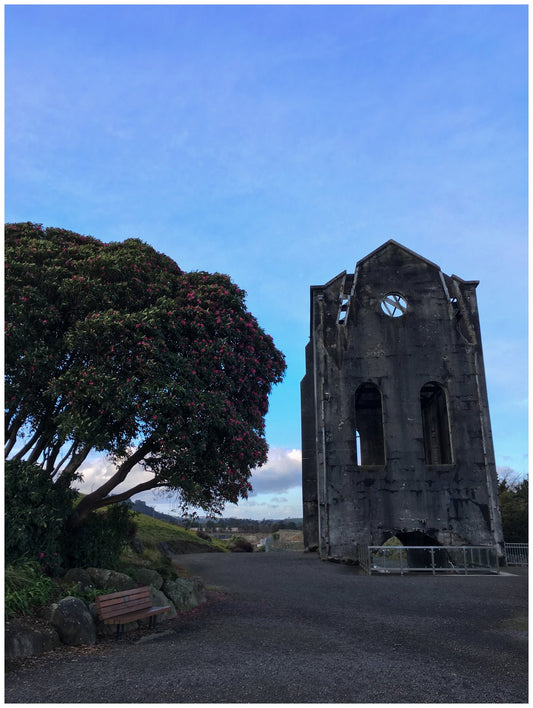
x,y
98,470
281,472
276,486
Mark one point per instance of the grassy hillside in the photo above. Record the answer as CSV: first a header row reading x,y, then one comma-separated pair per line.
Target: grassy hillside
x,y
155,540
152,531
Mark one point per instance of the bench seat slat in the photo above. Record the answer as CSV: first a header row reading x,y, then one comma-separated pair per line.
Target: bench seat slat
x,y
127,606
144,590
133,616
125,609
116,599
131,599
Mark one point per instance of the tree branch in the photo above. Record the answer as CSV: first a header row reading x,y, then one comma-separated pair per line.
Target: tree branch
x,y
51,457
72,467
13,422
11,434
33,440
92,500
65,458
143,487
45,440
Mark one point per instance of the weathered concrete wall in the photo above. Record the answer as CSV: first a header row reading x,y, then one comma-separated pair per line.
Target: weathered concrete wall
x,y
309,488
350,501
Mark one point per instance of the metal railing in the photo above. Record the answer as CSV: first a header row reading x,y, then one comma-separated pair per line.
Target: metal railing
x,y
433,559
516,553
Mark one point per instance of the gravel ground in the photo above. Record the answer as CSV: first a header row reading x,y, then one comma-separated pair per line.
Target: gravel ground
x,y
289,628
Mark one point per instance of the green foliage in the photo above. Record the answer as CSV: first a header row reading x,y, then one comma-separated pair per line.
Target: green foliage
x,y
393,541
112,347
153,535
153,531
391,555
88,595
35,510
100,539
238,543
514,510
26,587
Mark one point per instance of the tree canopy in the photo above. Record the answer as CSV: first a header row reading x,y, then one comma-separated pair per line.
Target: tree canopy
x,y
111,347
514,497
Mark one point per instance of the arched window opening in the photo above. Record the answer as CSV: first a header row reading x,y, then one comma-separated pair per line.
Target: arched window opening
x,y
370,443
435,423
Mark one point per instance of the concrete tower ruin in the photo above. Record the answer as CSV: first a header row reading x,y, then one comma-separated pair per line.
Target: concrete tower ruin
x,y
396,436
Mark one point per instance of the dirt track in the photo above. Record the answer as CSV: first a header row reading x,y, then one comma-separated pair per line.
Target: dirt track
x,y
286,627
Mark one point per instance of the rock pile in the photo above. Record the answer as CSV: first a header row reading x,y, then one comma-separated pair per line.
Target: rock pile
x,y
73,622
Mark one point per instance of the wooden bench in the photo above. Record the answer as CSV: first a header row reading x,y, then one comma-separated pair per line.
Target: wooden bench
x,y
128,606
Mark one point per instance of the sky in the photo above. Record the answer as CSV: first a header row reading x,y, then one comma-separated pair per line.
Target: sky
x,y
280,144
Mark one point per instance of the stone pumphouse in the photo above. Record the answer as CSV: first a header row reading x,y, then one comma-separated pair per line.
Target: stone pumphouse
x,y
396,436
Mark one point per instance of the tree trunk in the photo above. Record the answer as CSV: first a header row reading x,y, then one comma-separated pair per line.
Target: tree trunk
x,y
100,497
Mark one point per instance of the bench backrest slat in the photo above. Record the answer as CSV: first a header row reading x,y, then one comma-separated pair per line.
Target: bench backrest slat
x,y
124,602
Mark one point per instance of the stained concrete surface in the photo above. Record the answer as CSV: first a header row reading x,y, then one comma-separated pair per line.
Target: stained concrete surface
x,y
287,627
396,435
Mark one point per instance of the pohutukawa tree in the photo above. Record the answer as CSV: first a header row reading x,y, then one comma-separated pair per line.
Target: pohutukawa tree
x,y
111,347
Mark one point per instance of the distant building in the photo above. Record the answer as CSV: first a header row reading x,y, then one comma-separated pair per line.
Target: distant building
x,y
396,436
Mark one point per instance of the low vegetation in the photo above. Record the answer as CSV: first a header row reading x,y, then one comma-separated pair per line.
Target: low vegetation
x,y
514,497
33,577
151,530
156,540
26,587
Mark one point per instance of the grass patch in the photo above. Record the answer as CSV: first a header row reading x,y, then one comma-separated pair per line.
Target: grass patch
x,y
26,587
157,539
150,530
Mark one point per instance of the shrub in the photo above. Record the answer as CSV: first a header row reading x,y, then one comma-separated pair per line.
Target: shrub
x,y
100,539
241,545
88,595
26,587
35,511
514,497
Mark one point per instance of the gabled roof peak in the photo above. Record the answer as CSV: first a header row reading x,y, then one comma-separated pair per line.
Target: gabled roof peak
x,y
391,243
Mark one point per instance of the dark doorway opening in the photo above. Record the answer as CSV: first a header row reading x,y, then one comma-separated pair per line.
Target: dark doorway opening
x,y
423,557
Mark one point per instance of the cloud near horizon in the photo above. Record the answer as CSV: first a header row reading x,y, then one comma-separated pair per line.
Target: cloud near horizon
x,y
281,472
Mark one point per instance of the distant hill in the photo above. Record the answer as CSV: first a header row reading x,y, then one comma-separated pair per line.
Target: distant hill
x,y
143,508
251,525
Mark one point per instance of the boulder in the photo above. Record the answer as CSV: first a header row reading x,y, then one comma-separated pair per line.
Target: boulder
x,y
25,639
79,576
73,622
110,580
159,599
186,594
145,576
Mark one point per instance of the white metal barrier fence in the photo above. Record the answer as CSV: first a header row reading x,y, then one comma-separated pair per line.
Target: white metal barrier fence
x,y
516,553
433,559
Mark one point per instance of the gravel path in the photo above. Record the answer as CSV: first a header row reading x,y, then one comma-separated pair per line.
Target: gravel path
x,y
289,628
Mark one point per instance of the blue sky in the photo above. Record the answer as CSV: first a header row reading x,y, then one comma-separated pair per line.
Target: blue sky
x,y
281,144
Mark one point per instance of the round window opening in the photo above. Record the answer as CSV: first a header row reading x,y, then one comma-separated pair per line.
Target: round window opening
x,y
394,305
